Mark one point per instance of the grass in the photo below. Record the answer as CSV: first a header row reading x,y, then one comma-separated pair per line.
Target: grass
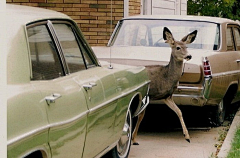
x,y
235,149
235,146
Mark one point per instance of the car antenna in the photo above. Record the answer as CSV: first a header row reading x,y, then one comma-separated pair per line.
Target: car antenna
x,y
110,66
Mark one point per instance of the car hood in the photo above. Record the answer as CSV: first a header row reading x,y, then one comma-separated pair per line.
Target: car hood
x,y
142,56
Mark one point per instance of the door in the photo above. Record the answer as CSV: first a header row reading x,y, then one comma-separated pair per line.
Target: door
x,y
236,33
96,83
64,99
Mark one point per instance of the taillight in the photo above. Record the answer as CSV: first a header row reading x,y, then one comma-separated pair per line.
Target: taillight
x,y
206,67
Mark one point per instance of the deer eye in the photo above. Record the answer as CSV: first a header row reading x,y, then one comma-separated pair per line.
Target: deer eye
x,y
178,48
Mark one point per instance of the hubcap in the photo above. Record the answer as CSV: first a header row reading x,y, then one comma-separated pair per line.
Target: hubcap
x,y
221,111
125,140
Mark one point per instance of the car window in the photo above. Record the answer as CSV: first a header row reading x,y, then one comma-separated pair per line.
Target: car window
x,y
70,47
237,37
142,36
131,32
45,60
75,55
230,45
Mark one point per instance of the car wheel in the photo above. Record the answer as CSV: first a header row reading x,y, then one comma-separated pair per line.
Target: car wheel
x,y
220,112
122,148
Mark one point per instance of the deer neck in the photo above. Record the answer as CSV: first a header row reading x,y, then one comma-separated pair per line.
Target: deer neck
x,y
175,68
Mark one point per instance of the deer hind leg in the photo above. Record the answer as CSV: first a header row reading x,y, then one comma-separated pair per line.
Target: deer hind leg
x,y
170,103
140,118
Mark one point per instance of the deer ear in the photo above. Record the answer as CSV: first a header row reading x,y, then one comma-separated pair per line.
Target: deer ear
x,y
167,36
190,37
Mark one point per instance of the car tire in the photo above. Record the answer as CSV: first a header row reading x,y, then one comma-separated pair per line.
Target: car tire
x,y
220,112
122,149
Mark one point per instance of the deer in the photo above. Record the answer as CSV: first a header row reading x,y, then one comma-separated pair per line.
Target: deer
x,y
165,79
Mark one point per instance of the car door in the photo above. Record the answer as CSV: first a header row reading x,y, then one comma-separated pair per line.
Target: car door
x,y
64,99
236,34
97,84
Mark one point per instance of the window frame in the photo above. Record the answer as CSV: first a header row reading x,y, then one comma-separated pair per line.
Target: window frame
x,y
232,26
79,38
234,35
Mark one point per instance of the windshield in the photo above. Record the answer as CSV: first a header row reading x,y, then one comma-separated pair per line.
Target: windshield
x,y
150,33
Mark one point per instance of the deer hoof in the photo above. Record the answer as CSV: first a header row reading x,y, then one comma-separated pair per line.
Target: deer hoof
x,y
135,143
188,140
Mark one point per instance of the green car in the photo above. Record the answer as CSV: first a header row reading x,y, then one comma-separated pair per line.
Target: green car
x,y
61,101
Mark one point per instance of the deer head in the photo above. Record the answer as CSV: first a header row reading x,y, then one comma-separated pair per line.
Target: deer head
x,y
179,49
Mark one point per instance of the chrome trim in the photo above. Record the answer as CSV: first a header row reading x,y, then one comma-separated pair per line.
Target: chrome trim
x,y
145,102
226,73
51,99
185,95
116,98
192,88
41,129
207,87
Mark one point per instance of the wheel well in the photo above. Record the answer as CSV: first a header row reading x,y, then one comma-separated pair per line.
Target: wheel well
x,y
135,103
37,154
231,92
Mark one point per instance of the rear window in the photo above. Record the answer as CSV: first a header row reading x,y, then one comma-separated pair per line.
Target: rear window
x,y
150,33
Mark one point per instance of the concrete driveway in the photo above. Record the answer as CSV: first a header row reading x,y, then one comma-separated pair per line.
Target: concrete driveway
x,y
160,134
172,144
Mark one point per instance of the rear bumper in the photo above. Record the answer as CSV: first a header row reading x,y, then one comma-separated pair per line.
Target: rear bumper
x,y
190,95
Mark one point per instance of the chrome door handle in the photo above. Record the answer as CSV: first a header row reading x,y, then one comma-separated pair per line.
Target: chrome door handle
x,y
238,60
52,98
89,86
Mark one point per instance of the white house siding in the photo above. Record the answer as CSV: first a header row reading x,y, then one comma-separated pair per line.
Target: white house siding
x,y
164,7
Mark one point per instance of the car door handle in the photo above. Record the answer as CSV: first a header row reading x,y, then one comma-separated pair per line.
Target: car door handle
x,y
52,98
238,60
89,86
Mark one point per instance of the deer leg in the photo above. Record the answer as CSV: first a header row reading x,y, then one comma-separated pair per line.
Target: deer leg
x,y
140,118
170,103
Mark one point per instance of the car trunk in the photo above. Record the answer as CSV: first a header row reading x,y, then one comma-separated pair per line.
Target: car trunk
x,y
142,56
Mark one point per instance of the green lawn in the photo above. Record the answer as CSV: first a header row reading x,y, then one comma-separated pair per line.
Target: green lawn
x,y
235,149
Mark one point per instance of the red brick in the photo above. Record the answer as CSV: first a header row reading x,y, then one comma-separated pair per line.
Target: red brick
x,y
71,9
81,5
63,5
38,1
72,1
20,0
89,1
88,17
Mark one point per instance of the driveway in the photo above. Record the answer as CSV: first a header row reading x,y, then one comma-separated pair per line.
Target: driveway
x,y
160,134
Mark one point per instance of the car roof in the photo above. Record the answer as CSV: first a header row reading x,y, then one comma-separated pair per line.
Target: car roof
x,y
181,17
27,14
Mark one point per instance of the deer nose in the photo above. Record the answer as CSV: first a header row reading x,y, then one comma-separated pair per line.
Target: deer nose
x,y
188,57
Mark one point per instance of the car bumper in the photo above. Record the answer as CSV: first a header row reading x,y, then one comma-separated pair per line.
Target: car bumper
x,y
190,95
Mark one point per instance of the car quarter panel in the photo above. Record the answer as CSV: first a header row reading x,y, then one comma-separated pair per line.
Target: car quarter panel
x,y
222,76
125,82
108,109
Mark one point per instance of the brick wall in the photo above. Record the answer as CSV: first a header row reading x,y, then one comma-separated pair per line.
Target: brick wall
x,y
92,16
134,7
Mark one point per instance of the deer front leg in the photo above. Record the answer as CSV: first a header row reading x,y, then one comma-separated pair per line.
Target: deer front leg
x,y
170,103
140,118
